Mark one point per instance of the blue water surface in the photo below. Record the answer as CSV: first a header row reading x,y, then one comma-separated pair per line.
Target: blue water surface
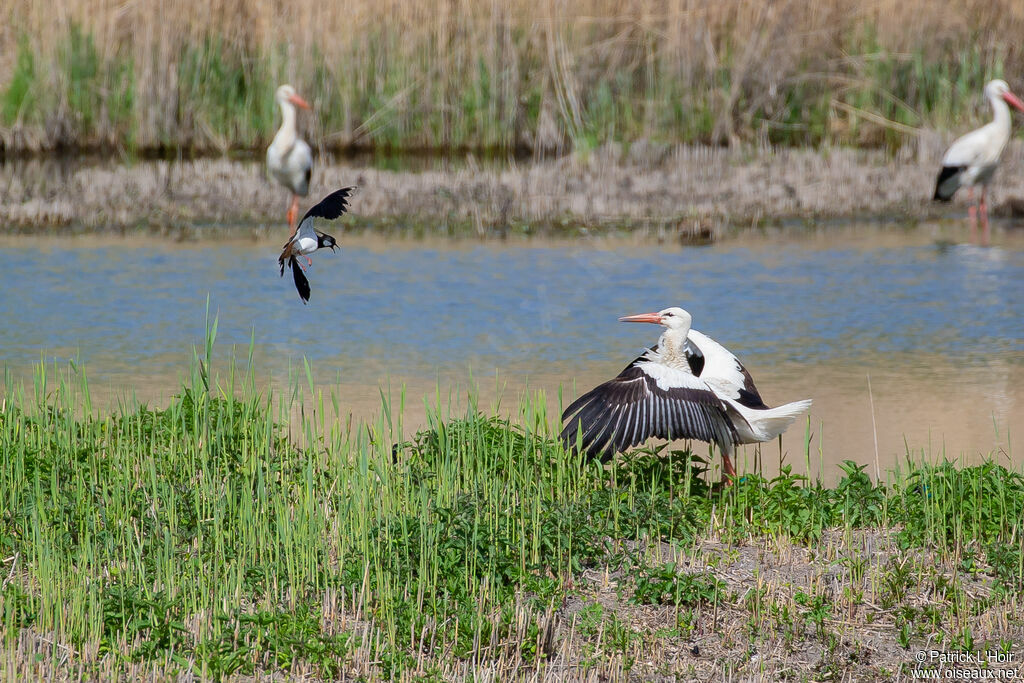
x,y
493,305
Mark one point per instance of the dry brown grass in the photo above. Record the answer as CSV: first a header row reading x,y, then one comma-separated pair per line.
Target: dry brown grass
x,y
529,73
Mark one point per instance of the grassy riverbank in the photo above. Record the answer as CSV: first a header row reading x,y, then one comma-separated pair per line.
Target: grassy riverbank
x,y
528,75
222,535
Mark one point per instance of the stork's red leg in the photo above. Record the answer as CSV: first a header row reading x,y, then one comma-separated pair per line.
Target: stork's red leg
x,y
293,214
972,214
983,210
728,471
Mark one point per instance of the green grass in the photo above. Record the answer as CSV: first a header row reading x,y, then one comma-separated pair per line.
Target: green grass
x,y
218,537
19,100
225,94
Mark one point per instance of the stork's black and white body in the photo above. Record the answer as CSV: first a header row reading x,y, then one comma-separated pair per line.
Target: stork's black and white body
x,y
307,239
289,158
687,387
972,160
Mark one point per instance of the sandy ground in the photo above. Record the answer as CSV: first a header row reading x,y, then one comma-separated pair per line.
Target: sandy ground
x,y
692,192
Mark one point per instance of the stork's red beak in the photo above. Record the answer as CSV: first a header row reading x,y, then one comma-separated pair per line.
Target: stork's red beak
x,y
642,318
298,101
1013,101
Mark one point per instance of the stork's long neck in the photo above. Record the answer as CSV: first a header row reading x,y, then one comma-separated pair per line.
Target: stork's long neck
x,y
286,135
1002,116
672,345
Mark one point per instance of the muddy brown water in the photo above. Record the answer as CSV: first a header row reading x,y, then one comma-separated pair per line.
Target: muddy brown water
x,y
933,322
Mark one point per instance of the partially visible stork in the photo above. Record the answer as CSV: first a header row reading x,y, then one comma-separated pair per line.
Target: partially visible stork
x,y
289,158
687,387
973,158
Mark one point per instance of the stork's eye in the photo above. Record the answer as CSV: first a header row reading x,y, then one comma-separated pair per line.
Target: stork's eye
x,y
667,314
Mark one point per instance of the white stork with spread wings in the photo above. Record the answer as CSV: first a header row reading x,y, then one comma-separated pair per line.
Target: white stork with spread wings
x,y
687,387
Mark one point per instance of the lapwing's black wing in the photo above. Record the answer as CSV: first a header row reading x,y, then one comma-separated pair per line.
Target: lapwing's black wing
x,y
301,283
332,206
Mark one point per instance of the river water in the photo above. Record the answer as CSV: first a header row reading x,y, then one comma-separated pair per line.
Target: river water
x,y
934,326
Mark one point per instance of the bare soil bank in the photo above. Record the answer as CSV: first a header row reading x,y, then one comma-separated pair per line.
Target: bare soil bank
x,y
689,192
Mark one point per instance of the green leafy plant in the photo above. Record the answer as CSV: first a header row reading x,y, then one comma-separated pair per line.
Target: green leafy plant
x,y
665,585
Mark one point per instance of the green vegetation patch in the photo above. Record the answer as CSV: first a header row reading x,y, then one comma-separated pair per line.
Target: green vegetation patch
x,y
216,536
19,98
666,585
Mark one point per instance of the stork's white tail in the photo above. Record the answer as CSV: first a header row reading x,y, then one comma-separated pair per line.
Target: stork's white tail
x,y
768,424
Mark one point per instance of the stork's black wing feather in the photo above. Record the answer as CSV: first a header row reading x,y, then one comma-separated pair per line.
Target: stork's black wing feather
x,y
332,206
301,282
306,178
746,395
694,357
632,408
947,183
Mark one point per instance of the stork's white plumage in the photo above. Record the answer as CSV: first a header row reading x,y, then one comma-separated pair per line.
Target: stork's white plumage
x,y
289,158
973,158
687,387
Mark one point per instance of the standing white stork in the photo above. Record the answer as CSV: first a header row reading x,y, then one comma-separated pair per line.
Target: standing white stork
x,y
687,387
973,158
289,158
